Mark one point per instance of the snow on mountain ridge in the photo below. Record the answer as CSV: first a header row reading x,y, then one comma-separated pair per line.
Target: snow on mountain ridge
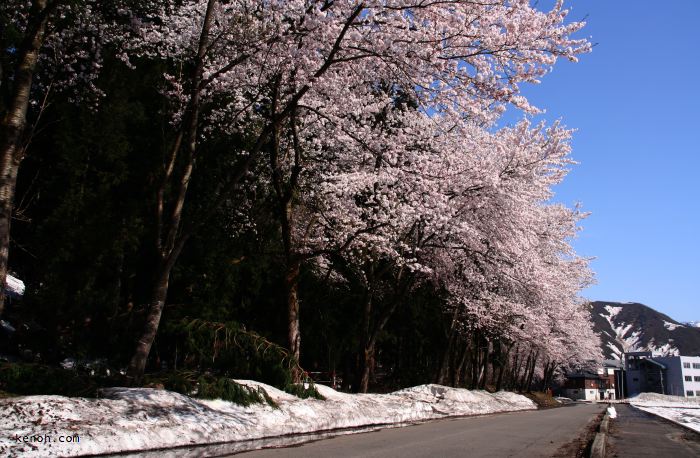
x,y
671,326
627,327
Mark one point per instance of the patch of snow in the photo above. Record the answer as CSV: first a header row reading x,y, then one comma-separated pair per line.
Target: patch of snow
x,y
131,419
664,399
68,363
7,327
689,417
616,351
613,311
612,413
14,286
679,409
693,324
684,411
666,349
630,340
672,326
275,394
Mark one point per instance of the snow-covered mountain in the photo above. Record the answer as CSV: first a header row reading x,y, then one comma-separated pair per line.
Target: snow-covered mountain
x,y
625,327
692,324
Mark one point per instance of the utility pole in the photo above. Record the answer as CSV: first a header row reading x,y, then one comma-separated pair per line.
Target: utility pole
x,y
622,376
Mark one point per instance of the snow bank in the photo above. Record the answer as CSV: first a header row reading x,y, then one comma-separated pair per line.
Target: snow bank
x,y
686,416
129,419
678,409
663,399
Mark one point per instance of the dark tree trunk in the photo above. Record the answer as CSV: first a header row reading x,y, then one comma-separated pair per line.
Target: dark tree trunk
x,y
366,364
8,180
445,361
522,374
531,375
504,361
170,238
547,375
368,350
485,365
159,294
498,364
12,127
515,370
476,363
365,354
459,369
443,369
285,205
293,333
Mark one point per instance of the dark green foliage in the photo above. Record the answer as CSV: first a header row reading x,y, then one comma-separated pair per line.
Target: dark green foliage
x,y
304,391
229,350
30,378
207,386
83,207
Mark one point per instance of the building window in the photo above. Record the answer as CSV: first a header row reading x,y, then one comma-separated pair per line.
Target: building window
x,y
688,378
686,365
697,378
689,393
696,365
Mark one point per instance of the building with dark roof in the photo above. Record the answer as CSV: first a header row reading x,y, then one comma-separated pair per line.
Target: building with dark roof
x,y
673,375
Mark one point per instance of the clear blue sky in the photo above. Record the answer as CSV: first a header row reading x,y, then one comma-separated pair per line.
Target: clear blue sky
x,y
635,102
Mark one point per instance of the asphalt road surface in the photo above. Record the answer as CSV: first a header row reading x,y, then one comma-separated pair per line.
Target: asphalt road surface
x,y
635,433
537,433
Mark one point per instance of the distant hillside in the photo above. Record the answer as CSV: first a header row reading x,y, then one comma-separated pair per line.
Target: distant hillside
x,y
636,327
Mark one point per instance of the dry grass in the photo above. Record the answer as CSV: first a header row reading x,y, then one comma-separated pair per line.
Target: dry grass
x,y
543,400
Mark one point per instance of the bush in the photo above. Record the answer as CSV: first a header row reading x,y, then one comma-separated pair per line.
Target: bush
x,y
208,386
228,350
304,391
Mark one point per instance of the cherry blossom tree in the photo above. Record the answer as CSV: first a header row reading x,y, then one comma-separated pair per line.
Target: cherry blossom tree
x,y
513,275
257,68
465,209
440,84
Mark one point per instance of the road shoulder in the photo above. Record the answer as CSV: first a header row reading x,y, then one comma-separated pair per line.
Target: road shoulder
x,y
640,434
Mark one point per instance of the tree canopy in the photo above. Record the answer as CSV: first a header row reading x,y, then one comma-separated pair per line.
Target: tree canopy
x,y
325,173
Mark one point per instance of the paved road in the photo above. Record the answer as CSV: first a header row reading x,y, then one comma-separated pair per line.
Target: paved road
x,y
539,433
636,434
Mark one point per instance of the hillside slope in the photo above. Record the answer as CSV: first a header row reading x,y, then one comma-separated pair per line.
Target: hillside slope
x,y
637,327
